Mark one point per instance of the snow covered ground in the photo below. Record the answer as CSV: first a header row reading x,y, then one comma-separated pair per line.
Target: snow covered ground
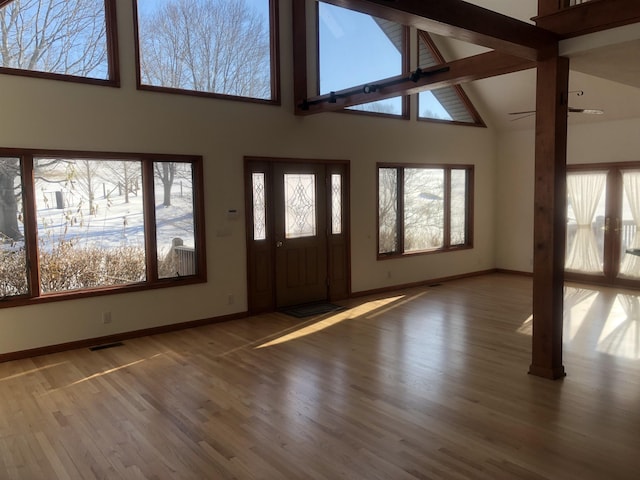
x,y
113,222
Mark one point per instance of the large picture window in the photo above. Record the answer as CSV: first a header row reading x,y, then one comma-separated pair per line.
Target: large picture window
x,y
71,39
356,48
208,47
424,208
91,222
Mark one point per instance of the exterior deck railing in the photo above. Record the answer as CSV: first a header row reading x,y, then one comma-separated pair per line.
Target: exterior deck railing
x,y
572,3
186,260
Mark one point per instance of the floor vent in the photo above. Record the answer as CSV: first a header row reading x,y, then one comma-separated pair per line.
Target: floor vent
x,y
106,345
435,285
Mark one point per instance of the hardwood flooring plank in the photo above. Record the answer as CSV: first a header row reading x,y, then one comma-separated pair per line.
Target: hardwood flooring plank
x,y
422,383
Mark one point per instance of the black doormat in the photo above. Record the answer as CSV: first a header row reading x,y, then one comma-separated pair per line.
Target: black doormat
x,y
310,309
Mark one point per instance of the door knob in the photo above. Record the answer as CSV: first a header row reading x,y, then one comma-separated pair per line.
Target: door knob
x,y
279,244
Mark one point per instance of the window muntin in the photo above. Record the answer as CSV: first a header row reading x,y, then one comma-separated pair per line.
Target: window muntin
x,y
212,47
356,48
13,259
73,39
95,220
423,208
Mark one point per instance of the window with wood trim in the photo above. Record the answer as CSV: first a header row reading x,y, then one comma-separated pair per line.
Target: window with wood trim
x,y
424,208
214,48
72,40
82,222
356,48
447,104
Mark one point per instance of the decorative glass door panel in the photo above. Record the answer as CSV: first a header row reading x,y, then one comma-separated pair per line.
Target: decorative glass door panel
x,y
299,205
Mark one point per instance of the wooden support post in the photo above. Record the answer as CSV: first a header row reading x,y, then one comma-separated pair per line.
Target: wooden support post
x,y
549,217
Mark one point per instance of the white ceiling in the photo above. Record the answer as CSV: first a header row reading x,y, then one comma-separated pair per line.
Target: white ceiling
x,y
605,66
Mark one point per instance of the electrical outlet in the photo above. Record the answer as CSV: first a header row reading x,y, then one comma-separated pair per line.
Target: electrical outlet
x,y
230,299
106,318
389,274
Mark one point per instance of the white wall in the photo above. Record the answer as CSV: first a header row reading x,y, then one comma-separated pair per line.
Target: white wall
x,y
612,141
58,115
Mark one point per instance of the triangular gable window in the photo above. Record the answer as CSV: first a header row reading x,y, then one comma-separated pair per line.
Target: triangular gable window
x,y
449,104
68,39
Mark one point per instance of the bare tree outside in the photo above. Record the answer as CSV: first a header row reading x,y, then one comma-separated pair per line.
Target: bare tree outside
x,y
65,37
10,193
217,46
423,208
381,106
127,178
166,173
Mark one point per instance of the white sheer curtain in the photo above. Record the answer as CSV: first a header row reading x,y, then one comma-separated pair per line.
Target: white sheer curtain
x,y
584,191
631,180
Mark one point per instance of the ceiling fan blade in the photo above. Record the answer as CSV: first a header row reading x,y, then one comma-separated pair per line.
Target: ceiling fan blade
x,y
525,115
589,111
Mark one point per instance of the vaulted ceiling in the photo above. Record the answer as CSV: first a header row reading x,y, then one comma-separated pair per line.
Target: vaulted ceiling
x,y
605,66
605,72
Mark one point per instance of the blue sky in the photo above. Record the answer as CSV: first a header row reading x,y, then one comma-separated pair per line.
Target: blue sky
x,y
353,50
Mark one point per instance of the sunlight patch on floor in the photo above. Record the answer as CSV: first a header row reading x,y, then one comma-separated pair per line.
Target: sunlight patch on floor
x,y
527,326
105,372
33,370
315,327
577,305
620,335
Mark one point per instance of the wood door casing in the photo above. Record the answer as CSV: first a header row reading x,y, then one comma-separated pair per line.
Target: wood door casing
x,y
302,269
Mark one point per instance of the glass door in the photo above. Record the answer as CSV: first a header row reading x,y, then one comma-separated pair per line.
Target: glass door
x,y
603,220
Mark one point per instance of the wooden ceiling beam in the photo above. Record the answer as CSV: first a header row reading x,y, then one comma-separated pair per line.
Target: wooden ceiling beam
x,y
464,21
465,70
590,17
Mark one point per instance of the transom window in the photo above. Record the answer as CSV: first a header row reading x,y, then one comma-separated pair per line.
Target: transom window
x,y
85,222
208,47
424,208
71,39
356,48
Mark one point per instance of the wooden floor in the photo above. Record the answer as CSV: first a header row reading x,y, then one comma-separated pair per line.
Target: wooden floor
x,y
419,384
